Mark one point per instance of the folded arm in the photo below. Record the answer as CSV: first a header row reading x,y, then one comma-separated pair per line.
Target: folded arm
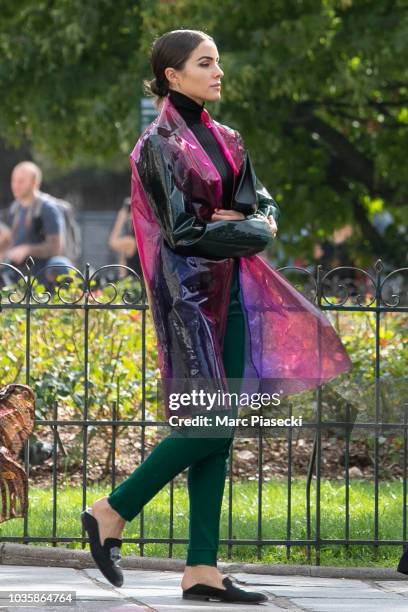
x,y
183,231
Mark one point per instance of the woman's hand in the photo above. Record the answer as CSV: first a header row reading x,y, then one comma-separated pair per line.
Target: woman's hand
x,y
274,227
222,214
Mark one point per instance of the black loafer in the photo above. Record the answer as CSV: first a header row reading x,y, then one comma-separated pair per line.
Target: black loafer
x,y
403,564
231,593
107,556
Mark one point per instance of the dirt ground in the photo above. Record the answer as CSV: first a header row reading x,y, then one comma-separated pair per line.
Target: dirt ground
x,y
244,458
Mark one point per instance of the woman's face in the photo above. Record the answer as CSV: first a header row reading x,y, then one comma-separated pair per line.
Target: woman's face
x,y
200,79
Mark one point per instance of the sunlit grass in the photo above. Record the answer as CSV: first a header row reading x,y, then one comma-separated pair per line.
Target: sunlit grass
x,y
244,520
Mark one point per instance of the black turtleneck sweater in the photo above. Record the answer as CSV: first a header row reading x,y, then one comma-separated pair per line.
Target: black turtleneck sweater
x,y
191,113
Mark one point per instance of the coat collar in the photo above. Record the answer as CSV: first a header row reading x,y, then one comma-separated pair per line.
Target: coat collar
x,y
171,122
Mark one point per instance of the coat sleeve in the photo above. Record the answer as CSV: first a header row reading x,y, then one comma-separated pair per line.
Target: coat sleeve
x,y
266,204
183,231
250,189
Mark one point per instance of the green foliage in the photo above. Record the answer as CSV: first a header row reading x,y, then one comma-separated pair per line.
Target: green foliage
x,y
114,351
352,396
68,74
319,91
58,354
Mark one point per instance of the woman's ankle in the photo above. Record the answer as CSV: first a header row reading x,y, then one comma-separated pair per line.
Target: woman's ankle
x,y
103,505
201,573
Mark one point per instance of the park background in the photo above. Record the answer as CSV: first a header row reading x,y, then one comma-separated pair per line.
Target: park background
x,y
319,92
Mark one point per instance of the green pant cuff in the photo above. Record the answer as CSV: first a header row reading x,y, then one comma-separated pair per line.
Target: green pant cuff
x,y
119,510
201,556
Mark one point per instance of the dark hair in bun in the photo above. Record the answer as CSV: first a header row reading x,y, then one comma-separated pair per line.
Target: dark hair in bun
x,y
171,50
157,87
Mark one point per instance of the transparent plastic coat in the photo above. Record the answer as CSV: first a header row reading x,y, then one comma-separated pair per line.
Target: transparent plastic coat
x,y
187,263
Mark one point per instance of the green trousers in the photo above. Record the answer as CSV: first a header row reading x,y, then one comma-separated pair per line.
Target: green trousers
x,y
206,459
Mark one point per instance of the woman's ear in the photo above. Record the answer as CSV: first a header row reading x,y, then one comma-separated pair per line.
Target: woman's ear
x,y
171,76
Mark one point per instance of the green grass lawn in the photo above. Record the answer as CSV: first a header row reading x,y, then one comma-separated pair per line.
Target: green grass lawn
x,y
245,511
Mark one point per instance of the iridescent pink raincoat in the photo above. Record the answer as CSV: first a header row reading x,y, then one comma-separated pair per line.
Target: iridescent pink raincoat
x,y
187,263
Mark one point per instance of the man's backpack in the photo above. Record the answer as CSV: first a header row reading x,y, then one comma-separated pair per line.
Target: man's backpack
x,y
72,230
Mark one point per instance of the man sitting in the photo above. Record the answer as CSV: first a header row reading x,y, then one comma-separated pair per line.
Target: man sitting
x,y
36,227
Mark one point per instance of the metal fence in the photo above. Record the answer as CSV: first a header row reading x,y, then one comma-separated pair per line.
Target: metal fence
x,y
339,290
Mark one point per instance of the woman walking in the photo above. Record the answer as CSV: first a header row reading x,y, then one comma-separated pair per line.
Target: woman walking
x,y
220,312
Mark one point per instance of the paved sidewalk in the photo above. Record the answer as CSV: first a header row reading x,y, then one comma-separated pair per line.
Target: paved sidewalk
x,y
149,590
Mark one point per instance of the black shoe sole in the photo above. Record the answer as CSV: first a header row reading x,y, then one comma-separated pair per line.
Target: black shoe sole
x,y
232,594
103,562
215,599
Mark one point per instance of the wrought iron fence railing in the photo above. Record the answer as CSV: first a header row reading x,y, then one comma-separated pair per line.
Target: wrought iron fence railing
x,y
341,290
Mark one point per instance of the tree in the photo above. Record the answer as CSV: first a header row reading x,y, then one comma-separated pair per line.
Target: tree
x,y
68,76
318,89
